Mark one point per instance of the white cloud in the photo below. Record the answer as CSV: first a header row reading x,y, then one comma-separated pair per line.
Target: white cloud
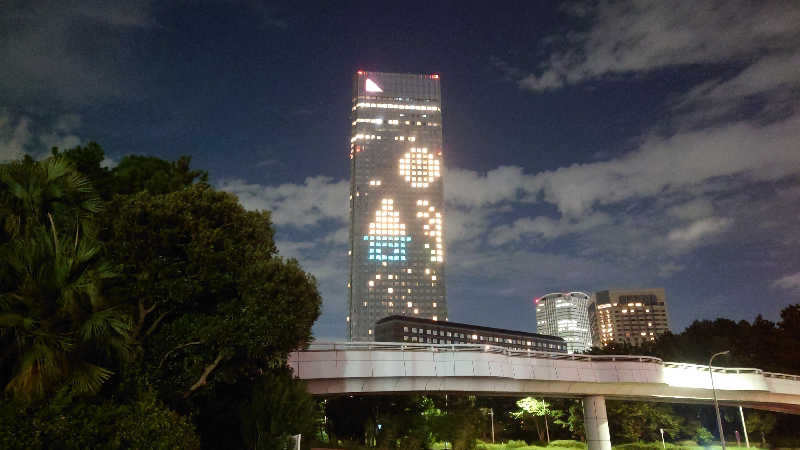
x,y
626,37
25,133
661,164
545,228
317,199
698,230
469,188
789,282
693,209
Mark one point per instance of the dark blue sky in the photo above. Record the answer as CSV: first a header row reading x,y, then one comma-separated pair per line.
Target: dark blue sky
x,y
588,145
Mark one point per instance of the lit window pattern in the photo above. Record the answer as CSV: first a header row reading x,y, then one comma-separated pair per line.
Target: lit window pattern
x,y
387,236
431,227
388,248
419,167
398,106
373,121
366,137
374,182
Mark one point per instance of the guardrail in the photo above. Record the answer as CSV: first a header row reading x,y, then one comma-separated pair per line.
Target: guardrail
x,y
784,376
475,348
715,369
322,346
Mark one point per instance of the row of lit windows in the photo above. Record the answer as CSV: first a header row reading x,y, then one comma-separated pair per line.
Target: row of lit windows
x,y
366,137
475,337
395,122
397,106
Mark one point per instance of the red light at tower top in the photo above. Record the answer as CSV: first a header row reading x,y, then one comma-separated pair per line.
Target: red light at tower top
x,y
360,72
435,76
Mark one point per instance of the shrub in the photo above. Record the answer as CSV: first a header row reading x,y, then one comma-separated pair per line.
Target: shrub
x,y
143,423
703,436
516,444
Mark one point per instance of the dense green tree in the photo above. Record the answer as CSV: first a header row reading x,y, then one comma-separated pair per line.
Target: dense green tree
x,y
211,298
640,421
39,193
278,408
193,297
142,422
462,424
57,329
88,161
571,418
146,173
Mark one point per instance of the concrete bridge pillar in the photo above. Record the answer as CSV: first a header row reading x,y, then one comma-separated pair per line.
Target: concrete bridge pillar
x,y
595,423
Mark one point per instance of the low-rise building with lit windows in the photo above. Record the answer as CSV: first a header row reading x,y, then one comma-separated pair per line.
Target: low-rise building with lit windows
x,y
565,314
427,331
628,316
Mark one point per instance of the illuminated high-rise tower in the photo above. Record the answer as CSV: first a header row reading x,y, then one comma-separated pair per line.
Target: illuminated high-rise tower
x,y
397,252
565,315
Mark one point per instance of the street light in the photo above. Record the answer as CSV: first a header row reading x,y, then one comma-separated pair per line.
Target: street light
x,y
714,392
491,413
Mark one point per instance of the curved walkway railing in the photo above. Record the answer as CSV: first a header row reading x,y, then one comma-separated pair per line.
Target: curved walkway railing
x,y
321,346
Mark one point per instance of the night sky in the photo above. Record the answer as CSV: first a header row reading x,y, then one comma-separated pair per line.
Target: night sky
x,y
587,145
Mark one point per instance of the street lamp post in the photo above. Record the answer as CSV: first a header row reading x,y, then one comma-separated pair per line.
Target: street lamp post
x,y
714,393
491,414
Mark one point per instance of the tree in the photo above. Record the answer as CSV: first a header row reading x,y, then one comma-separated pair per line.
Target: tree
x,y
572,419
38,193
136,174
75,424
278,408
761,423
531,409
461,424
640,421
57,329
209,292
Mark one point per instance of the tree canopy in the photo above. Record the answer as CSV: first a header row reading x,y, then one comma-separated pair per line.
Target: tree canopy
x,y
141,289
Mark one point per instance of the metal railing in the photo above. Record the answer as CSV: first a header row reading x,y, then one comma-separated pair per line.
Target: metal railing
x,y
474,348
715,369
784,376
322,346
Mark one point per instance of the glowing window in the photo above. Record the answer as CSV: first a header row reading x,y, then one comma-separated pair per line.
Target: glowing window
x,y
419,168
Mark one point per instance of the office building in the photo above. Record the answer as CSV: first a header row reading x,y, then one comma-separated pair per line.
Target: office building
x,y
565,315
628,316
397,251
427,331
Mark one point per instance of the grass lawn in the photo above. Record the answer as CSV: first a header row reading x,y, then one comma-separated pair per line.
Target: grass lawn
x,y
519,445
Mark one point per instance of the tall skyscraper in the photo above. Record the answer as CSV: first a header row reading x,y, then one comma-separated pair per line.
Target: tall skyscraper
x,y
565,315
628,316
397,252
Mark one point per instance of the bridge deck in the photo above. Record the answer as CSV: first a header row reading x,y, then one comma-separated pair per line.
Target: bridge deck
x,y
382,368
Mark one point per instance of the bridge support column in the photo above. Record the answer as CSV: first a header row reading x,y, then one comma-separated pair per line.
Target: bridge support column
x,y
595,423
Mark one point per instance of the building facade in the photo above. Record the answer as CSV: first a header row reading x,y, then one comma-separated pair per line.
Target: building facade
x,y
427,331
397,252
565,315
628,316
